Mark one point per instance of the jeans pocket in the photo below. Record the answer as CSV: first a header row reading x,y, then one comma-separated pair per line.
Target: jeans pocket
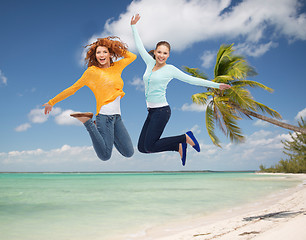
x,y
166,111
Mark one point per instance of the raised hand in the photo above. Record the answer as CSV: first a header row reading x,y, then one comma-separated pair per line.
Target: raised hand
x,y
135,19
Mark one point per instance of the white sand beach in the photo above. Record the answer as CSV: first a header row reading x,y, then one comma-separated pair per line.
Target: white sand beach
x,y
281,216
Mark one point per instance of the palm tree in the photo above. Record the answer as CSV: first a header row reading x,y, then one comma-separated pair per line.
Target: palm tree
x,y
295,149
225,108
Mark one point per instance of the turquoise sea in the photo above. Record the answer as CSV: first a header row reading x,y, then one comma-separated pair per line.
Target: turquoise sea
x,y
106,206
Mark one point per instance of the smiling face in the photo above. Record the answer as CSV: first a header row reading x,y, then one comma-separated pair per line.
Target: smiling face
x,y
161,54
103,57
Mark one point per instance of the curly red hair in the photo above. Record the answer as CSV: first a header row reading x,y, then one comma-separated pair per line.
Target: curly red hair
x,y
115,46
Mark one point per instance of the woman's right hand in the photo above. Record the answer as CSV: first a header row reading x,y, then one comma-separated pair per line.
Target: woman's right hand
x,y
224,86
48,108
135,19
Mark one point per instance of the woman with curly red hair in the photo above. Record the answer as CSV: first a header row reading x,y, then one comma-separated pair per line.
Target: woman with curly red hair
x,y
103,77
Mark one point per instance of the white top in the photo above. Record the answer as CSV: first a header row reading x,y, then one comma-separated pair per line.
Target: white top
x,y
111,108
156,105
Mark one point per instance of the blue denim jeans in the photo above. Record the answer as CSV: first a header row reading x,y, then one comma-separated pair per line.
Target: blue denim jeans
x,y
149,139
109,130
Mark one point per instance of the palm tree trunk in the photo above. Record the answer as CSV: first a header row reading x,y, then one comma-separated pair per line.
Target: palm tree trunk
x,y
270,120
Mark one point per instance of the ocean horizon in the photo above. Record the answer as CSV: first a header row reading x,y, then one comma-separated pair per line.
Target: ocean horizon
x,y
153,171
120,205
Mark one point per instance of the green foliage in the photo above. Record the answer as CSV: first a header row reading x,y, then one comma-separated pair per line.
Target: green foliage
x,y
296,151
222,106
228,63
195,71
210,125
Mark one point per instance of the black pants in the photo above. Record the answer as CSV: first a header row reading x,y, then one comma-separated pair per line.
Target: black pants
x,y
149,139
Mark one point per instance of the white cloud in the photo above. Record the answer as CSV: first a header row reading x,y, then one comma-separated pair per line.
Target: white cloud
x,y
55,111
138,83
64,118
262,147
196,129
3,79
65,153
37,116
254,50
259,22
266,139
208,58
23,127
301,114
79,158
193,107
261,123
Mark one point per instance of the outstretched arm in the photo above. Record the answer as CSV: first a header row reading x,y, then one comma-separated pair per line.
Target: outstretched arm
x,y
139,45
67,92
178,74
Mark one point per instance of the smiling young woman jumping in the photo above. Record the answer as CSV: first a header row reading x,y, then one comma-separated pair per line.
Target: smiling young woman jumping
x,y
103,77
156,78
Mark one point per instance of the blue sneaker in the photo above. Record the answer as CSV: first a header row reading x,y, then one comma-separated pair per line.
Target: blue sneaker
x,y
196,145
184,149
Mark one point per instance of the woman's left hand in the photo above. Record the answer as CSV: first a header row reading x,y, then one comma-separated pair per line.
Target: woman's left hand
x,y
135,19
224,86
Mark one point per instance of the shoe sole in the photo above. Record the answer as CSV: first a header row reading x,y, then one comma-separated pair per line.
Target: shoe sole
x,y
88,114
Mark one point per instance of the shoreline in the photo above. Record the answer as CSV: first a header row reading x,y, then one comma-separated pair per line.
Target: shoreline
x,y
281,215
157,171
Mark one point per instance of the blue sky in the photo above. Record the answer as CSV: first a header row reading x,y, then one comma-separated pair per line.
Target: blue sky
x,y
41,54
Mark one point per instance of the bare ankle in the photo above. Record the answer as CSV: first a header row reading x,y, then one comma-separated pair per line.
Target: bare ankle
x,y
189,140
180,150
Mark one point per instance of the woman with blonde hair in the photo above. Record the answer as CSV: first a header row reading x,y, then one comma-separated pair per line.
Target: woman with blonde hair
x,y
156,78
103,77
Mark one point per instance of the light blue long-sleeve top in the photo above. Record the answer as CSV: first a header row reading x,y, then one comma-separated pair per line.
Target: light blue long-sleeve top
x,y
156,81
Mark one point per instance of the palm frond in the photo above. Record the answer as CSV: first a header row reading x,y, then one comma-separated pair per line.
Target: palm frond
x,y
253,84
200,98
228,121
223,79
265,109
224,54
234,132
223,106
218,118
210,125
241,97
239,68
228,63
195,72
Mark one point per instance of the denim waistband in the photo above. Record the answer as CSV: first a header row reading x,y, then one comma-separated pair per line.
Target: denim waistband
x,y
114,115
159,108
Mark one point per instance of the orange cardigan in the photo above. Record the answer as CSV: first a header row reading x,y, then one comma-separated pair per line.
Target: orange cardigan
x,y
105,83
